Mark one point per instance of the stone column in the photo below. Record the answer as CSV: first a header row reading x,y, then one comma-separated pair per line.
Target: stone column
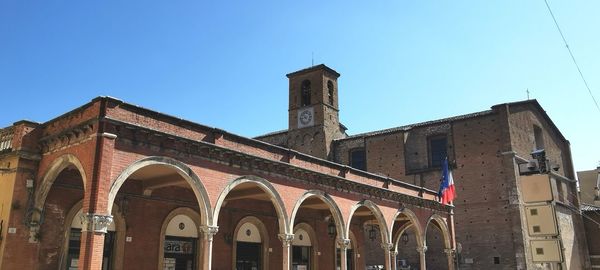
x,y
208,232
387,248
344,245
450,255
422,260
286,240
394,259
94,226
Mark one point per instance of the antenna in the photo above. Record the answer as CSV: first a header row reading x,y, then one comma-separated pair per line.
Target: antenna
x,y
527,93
312,59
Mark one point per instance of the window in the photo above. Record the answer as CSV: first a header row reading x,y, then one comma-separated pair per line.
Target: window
x,y
305,93
534,212
437,150
358,159
300,257
349,256
537,229
539,251
539,138
496,260
330,92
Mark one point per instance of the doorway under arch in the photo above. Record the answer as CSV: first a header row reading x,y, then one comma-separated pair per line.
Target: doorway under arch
x,y
250,245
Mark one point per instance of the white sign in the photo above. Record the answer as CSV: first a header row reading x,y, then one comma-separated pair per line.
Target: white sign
x,y
179,247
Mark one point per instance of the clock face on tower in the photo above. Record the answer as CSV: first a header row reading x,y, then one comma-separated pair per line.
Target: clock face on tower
x,y
305,117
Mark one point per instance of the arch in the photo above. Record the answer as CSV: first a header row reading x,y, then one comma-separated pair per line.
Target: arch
x,y
443,226
378,215
186,211
267,188
305,93
333,208
330,92
120,230
57,166
264,233
314,259
413,220
181,168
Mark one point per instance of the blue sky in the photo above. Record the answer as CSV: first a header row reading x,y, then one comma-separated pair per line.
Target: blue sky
x,y
223,63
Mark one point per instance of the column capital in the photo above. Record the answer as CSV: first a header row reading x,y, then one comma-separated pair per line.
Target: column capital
x,y
448,251
96,223
387,246
422,249
209,231
343,243
286,239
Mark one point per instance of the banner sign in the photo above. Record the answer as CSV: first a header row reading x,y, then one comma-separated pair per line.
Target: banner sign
x,y
179,247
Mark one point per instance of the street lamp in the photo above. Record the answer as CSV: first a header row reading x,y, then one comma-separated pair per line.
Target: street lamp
x,y
372,233
404,238
331,228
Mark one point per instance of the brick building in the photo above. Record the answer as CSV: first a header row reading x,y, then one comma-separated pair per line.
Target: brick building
x,y
486,150
110,185
589,191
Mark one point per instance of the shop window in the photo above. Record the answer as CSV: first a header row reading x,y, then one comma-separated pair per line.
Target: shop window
x,y
74,249
301,258
358,159
301,250
305,93
179,253
438,150
180,243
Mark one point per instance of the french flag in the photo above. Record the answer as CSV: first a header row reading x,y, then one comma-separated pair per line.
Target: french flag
x,y
447,192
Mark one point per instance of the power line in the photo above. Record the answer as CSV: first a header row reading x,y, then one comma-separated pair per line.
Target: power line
x,y
572,57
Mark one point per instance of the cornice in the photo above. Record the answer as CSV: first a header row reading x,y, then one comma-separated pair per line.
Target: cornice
x,y
179,146
69,136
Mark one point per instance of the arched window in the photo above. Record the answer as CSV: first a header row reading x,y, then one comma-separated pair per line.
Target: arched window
x,y
304,248
305,93
251,245
330,92
179,235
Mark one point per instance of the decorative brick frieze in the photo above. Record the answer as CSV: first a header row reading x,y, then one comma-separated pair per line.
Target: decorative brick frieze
x,y
236,159
68,137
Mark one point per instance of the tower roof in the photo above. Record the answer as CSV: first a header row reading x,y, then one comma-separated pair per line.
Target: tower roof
x,y
313,68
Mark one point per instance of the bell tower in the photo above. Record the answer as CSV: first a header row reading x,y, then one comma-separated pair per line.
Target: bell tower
x,y
313,111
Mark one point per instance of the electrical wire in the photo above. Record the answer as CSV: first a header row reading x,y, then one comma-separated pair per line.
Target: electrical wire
x,y
572,56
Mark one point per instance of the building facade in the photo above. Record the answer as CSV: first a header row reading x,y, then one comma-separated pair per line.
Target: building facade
x,y
589,187
110,185
486,151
